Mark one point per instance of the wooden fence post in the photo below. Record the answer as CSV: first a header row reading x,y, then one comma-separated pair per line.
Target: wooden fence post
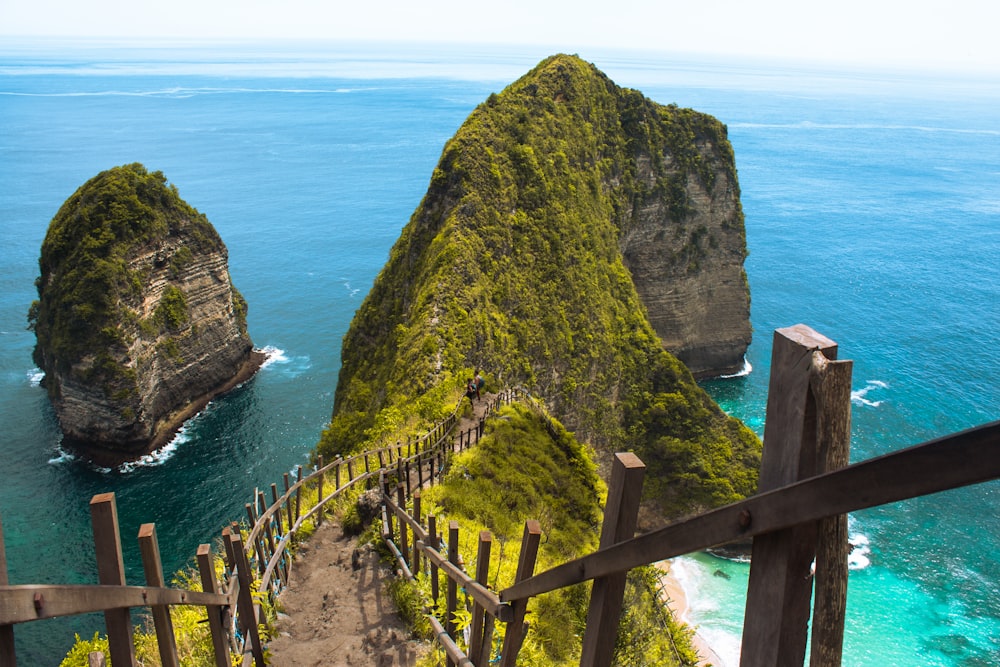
x,y
832,386
620,517
216,613
404,544
517,628
248,617
111,572
153,569
277,512
319,496
7,655
479,640
778,594
415,563
298,493
432,540
452,598
288,502
258,545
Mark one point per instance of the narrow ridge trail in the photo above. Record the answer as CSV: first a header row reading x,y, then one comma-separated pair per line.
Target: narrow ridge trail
x,y
335,610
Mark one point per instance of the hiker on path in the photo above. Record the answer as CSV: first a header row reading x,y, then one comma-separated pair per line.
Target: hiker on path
x,y
480,383
471,391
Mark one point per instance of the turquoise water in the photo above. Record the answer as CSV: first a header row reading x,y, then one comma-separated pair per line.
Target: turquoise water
x,y
872,205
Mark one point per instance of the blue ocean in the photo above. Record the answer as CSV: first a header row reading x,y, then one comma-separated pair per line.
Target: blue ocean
x,y
872,204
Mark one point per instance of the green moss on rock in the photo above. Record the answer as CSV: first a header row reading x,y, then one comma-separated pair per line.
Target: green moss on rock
x,y
512,263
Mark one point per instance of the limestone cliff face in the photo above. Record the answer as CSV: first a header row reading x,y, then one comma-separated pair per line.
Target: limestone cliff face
x,y
564,218
684,244
138,323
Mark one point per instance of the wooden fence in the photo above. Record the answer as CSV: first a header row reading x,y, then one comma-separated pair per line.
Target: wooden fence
x,y
257,562
806,489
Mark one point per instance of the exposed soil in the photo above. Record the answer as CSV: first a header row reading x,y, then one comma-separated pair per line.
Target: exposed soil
x,y
335,610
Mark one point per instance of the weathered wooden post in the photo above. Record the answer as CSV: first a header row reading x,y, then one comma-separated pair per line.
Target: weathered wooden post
x,y
452,598
479,638
517,628
620,517
277,512
288,502
404,543
248,617
153,569
415,563
831,383
7,655
216,613
319,485
258,546
780,586
111,572
298,493
432,542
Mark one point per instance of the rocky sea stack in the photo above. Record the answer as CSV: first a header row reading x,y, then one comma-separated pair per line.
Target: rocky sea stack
x,y
574,238
137,322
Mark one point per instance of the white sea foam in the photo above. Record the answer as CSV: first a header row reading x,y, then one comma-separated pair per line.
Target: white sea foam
x,y
35,376
859,396
858,559
62,456
159,457
347,285
746,370
273,355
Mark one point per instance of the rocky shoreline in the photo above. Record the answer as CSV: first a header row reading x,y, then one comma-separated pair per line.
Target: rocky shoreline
x,y
170,425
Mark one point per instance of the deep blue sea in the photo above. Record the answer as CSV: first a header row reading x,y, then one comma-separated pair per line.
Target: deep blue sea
x,y
872,206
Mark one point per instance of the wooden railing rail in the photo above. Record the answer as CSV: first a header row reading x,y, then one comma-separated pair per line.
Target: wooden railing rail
x,y
234,613
968,457
30,602
806,489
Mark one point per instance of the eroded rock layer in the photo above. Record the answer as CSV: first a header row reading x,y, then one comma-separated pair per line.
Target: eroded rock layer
x,y
137,321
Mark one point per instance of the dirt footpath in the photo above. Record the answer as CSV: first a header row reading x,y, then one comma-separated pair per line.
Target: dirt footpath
x,y
335,610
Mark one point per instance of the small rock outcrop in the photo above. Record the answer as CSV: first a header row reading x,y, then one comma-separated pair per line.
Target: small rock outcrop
x,y
137,322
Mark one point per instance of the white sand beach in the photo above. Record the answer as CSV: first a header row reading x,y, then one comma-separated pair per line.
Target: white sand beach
x,y
676,599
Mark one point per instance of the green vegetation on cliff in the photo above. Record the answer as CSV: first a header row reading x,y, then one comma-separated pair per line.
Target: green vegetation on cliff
x,y
512,264
86,287
528,467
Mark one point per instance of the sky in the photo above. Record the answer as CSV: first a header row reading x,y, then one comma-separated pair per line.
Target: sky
x,y
943,35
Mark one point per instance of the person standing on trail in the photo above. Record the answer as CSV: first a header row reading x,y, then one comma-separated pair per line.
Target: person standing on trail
x,y
480,382
470,390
